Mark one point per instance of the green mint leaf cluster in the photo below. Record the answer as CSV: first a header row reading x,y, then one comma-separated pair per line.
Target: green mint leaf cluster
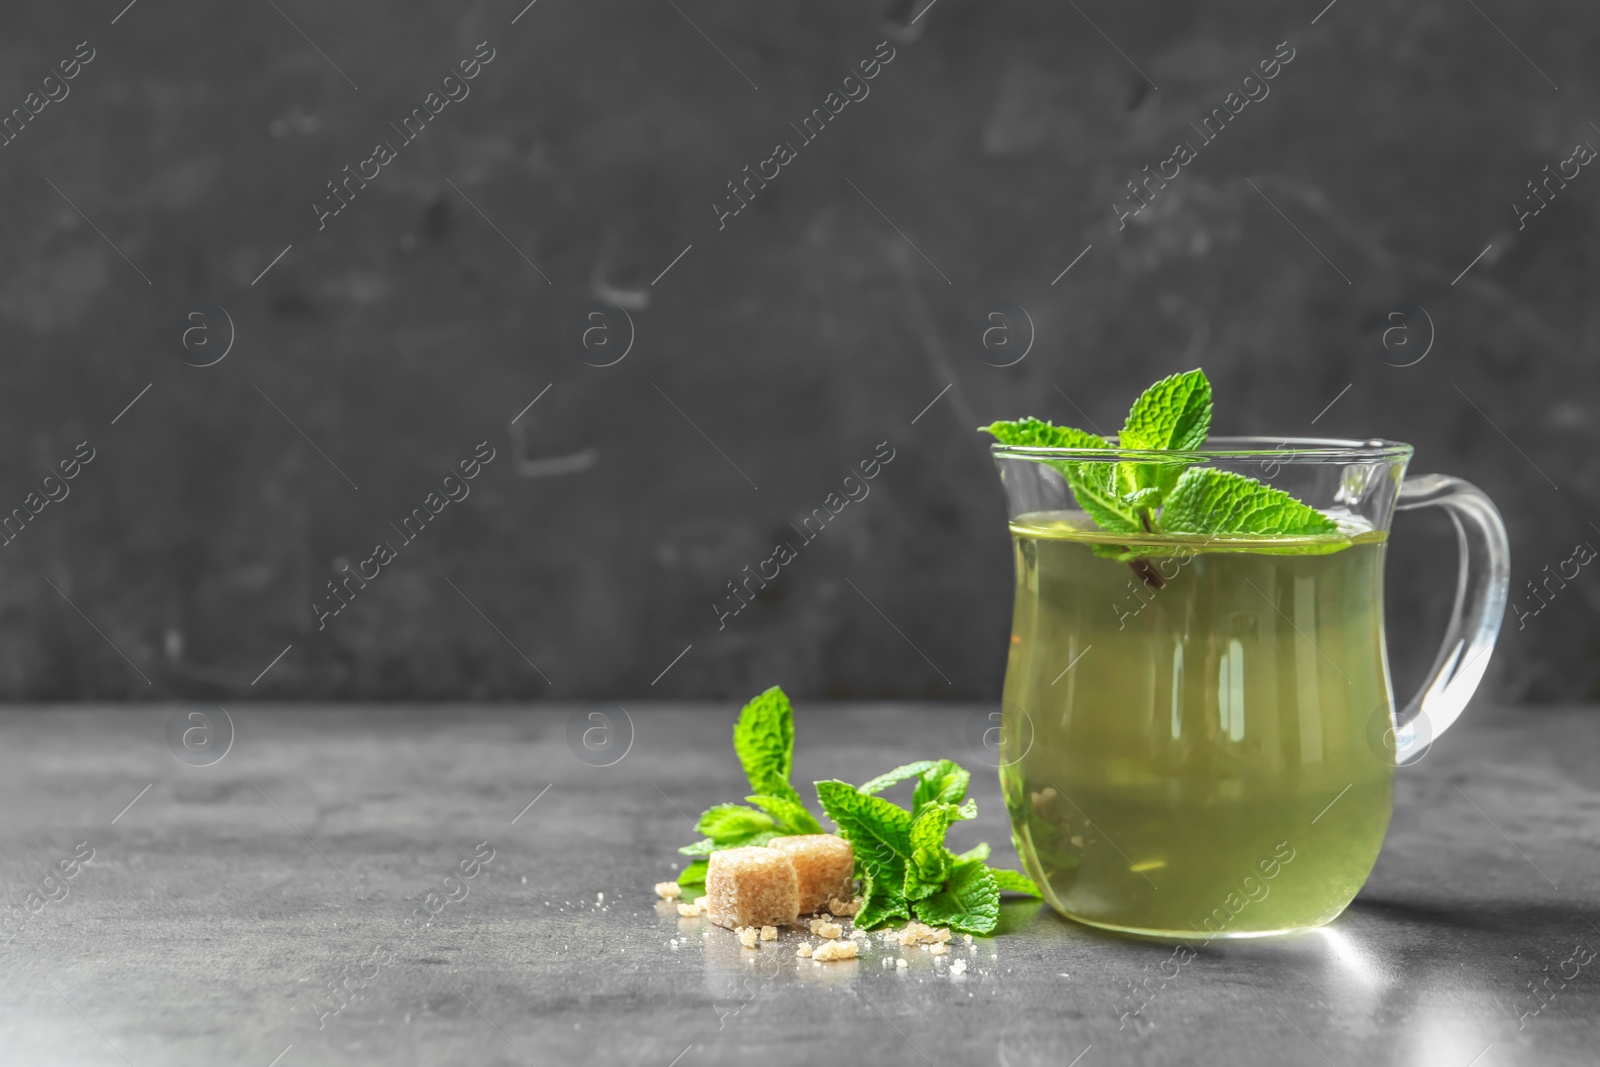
x,y
1166,496
906,869
763,738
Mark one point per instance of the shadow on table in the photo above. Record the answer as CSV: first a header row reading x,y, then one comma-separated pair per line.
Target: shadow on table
x,y
1487,916
1502,917
1016,913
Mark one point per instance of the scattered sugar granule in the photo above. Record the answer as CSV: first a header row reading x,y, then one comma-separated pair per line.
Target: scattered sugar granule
x,y
824,928
900,964
769,933
845,908
599,898
939,949
861,935
967,938
958,967
668,890
693,909
921,934
835,950
748,936
804,951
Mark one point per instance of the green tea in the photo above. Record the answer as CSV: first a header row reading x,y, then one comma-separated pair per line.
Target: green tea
x,y
1193,742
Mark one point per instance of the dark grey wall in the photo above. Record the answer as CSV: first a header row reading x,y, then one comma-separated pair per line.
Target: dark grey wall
x,y
778,351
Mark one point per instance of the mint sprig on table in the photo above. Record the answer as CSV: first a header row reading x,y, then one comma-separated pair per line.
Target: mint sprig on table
x,y
764,742
1158,496
906,869
901,857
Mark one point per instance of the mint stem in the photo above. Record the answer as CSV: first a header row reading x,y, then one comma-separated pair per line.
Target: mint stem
x,y
1146,572
1143,569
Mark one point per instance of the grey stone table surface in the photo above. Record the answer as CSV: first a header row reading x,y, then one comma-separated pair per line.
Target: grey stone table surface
x,y
222,904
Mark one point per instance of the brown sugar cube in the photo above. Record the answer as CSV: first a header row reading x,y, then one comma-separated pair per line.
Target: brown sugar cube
x,y
751,887
825,864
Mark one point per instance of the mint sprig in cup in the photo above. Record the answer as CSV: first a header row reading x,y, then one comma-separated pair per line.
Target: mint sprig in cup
x,y
1165,492
1197,648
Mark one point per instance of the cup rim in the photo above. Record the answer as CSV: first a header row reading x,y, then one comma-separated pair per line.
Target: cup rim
x,y
1281,449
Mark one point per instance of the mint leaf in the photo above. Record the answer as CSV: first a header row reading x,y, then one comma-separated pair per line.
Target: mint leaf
x,y
1124,554
899,774
980,851
1037,433
970,901
732,826
694,874
1094,486
879,831
944,782
764,741
1146,498
1210,501
792,816
1174,413
881,901
1093,483
729,821
931,862
706,846
927,872
929,828
1014,882
1143,485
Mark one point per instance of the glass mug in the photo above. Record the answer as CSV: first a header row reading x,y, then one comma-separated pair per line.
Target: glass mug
x,y
1201,741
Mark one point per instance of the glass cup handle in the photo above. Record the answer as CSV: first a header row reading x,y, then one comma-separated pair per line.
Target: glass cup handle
x,y
1481,584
